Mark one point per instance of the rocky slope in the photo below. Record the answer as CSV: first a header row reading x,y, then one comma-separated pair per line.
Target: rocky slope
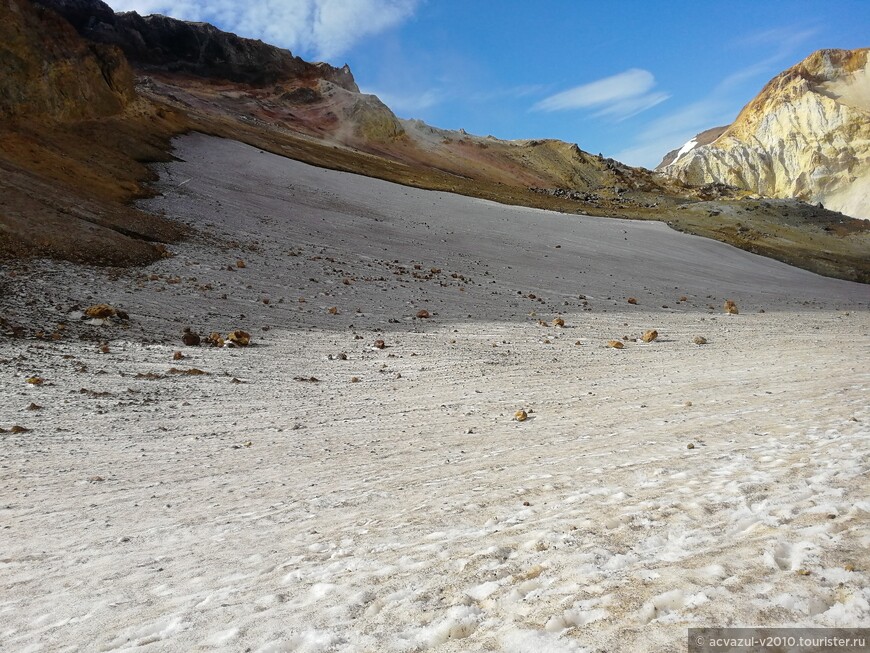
x,y
704,138
806,136
51,73
68,181
74,138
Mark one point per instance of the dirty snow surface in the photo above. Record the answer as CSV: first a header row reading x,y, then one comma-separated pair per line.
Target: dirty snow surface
x,y
312,492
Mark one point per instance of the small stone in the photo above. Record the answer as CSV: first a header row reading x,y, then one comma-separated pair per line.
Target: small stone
x,y
615,344
631,300
177,356
36,380
354,379
105,348
849,567
190,338
730,307
215,339
526,503
700,340
34,406
240,264
649,336
380,344
96,479
100,311
423,314
521,415
239,338
332,310
342,356
690,446
19,429
683,298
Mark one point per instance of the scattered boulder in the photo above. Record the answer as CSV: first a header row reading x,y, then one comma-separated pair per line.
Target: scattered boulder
x,y
649,336
379,344
730,307
690,446
521,416
615,344
700,340
193,371
240,264
104,312
332,310
423,314
190,338
631,300
177,356
34,406
19,429
215,339
559,322
239,338
100,311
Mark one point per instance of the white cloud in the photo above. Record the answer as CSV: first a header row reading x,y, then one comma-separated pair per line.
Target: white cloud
x,y
321,29
619,96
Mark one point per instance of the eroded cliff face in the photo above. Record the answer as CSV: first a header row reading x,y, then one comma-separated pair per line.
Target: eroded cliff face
x,y
48,72
806,135
167,44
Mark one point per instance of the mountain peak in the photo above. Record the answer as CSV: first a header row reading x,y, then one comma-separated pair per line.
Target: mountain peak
x,y
805,135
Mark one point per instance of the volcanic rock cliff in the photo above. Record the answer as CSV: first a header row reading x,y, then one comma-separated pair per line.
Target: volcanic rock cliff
x,y
164,43
806,135
51,73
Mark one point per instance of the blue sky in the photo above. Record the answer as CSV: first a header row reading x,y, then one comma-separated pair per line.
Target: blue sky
x,y
630,79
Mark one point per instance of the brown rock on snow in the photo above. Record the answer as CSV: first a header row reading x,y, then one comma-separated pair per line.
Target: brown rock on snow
x,y
615,344
649,336
100,311
730,307
190,338
239,338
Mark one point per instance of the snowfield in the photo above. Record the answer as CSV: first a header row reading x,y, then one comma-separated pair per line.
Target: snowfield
x,y
313,492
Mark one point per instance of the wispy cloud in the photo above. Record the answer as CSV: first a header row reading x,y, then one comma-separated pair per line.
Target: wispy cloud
x,y
671,131
619,96
721,104
321,29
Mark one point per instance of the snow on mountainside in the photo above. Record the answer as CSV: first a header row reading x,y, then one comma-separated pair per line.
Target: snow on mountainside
x,y
806,135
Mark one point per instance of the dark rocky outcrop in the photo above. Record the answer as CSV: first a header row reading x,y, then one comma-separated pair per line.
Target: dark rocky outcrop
x,y
166,44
